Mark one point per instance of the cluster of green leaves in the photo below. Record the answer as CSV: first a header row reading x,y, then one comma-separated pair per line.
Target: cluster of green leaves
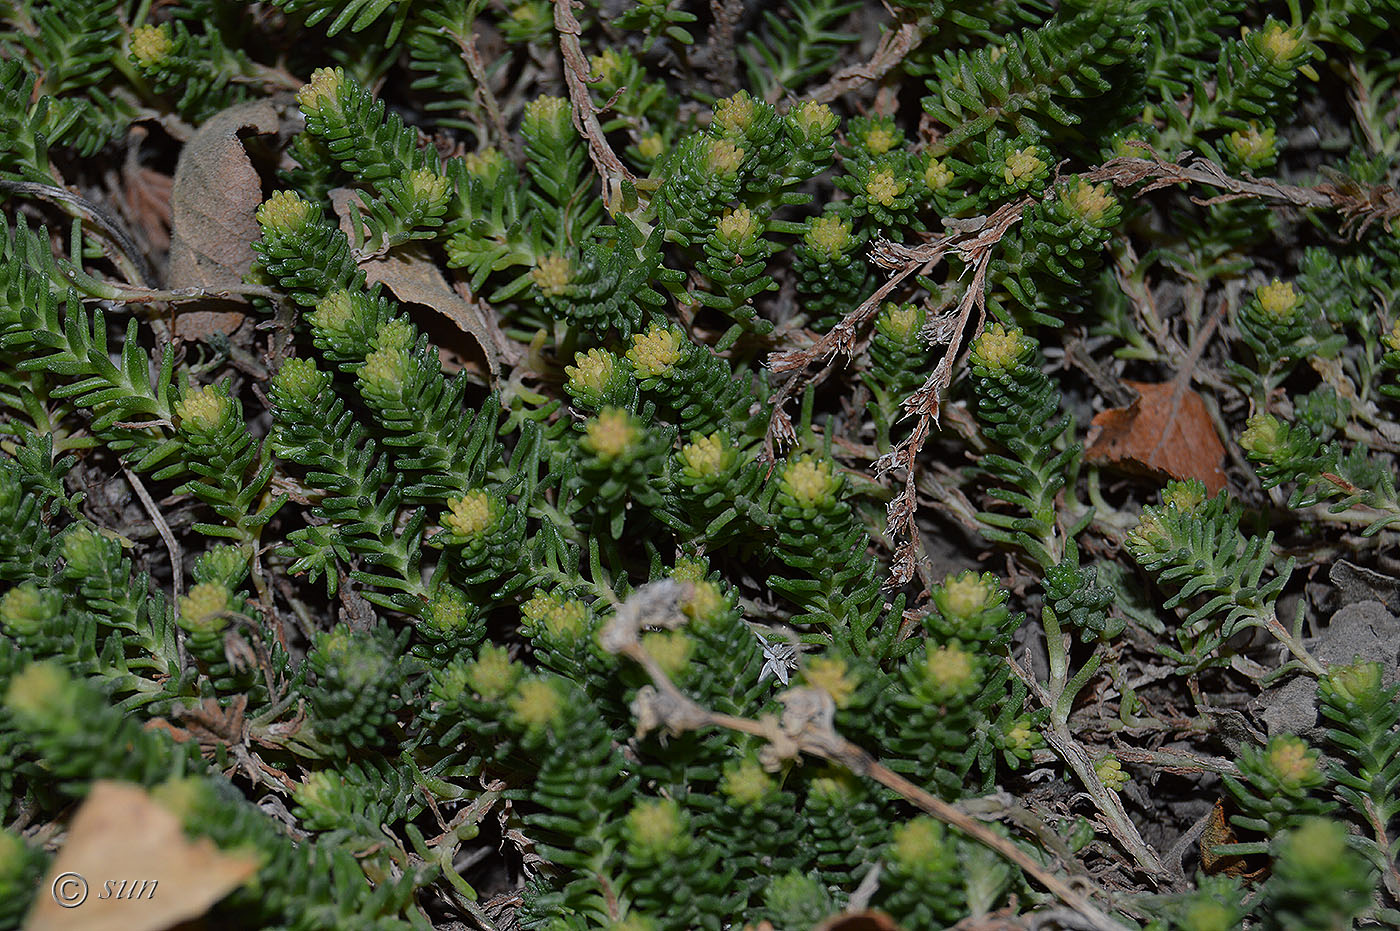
x,y
391,572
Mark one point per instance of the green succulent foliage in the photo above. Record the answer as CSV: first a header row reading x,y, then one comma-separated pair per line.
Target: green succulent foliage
x,y
1274,790
208,74
658,19
1318,881
1361,714
898,356
1194,543
356,15
926,888
219,450
833,580
1033,80
1060,244
1018,406
789,51
361,683
1322,470
830,272
479,522
735,258
21,873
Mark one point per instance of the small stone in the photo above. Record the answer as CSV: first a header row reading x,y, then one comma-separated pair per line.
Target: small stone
x,y
1361,630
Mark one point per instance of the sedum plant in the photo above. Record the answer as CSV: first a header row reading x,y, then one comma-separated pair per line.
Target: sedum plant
x,y
667,466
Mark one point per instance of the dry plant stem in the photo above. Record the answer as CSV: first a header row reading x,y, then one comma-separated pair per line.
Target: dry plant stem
x,y
177,577
889,53
576,71
472,58
1061,739
125,243
974,244
132,295
805,727
1391,874
722,47
689,715
1360,205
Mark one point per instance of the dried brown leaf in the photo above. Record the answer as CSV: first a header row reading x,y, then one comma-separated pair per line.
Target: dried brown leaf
x,y
1166,431
858,921
213,227
121,834
1216,833
415,278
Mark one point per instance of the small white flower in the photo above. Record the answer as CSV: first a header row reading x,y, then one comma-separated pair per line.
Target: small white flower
x,y
780,658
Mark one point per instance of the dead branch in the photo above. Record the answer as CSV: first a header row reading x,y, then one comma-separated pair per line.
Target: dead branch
x,y
894,45
172,547
477,69
805,726
722,49
973,242
576,70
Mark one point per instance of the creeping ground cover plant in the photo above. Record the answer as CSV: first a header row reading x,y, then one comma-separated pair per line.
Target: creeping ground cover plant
x,y
656,465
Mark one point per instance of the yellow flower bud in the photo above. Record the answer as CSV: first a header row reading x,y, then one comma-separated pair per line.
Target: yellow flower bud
x,y
1278,300
831,676
671,649
472,514
998,348
723,158
746,783
203,409
151,44
1022,166
734,115
204,604
552,274
655,825
322,91
810,482
651,146
536,703
707,456
883,188
828,236
812,118
611,434
1111,773
493,674
655,352
937,176
283,212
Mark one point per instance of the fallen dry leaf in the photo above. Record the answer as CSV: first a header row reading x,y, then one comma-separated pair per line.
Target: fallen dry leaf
x,y
869,920
213,227
120,834
1161,432
415,278
1218,831
146,195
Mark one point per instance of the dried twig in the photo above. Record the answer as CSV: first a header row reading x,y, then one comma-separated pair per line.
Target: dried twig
x,y
974,243
805,726
1360,205
109,225
477,69
1062,740
894,45
576,71
172,546
723,66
